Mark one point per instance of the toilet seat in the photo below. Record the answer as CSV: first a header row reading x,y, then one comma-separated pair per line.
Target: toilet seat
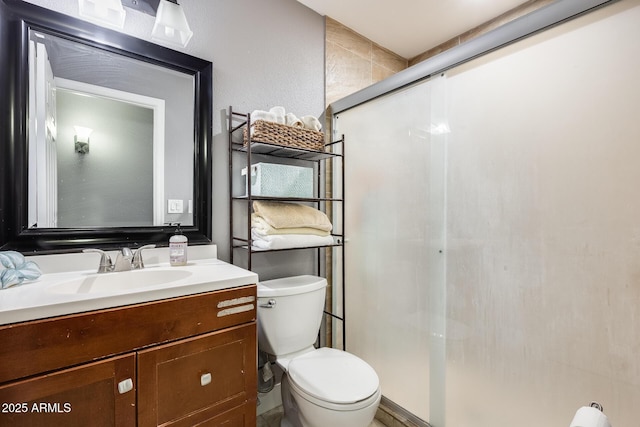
x,y
333,378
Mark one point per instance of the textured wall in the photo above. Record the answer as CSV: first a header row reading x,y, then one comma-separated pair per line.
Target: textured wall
x,y
264,53
91,191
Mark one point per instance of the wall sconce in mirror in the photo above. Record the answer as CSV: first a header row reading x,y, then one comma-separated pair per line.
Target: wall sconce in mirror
x,y
81,139
108,13
170,27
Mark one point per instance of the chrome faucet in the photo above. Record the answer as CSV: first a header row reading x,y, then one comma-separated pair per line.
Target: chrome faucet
x,y
125,260
106,265
137,262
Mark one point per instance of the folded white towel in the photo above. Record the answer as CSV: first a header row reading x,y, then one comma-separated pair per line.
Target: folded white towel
x,y
287,241
311,122
260,226
263,115
291,120
279,113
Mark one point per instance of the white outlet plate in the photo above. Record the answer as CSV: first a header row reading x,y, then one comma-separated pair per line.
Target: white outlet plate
x,y
174,206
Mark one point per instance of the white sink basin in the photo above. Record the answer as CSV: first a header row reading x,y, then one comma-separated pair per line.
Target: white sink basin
x,y
114,282
67,292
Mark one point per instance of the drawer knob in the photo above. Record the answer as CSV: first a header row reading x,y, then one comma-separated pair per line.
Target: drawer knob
x,y
205,379
125,386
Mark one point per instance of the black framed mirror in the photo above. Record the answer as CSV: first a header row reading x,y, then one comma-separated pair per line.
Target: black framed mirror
x,y
74,223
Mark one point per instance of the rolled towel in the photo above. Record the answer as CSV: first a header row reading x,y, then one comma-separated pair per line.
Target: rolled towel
x,y
311,122
291,215
261,227
291,120
279,112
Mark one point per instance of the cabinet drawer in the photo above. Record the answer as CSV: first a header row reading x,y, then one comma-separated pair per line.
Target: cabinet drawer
x,y
190,381
82,396
39,346
242,416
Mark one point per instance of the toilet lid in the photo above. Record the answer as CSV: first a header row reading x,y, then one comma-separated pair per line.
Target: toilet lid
x,y
333,376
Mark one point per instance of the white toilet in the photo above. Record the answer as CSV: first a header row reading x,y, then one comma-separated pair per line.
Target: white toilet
x,y
320,387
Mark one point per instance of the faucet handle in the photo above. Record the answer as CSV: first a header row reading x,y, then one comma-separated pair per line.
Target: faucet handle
x,y
105,260
137,261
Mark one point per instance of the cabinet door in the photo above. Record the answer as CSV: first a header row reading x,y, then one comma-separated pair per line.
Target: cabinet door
x,y
85,395
196,380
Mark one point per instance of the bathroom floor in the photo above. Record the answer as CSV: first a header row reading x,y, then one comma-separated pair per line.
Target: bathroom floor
x,y
272,419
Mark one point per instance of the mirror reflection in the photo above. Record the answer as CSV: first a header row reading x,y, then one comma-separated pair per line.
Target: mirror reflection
x,y
111,139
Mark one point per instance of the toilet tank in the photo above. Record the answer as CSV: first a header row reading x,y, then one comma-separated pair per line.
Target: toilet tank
x,y
290,313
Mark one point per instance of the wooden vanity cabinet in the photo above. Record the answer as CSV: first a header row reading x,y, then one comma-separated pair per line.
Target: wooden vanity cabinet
x,y
193,381
85,395
183,361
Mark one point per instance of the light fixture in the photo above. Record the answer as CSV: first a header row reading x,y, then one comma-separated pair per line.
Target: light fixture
x,y
81,139
171,25
108,13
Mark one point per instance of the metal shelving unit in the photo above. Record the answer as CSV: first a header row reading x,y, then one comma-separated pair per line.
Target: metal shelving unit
x,y
332,151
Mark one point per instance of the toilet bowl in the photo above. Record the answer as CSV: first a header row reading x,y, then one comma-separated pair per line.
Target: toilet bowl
x,y
329,387
320,387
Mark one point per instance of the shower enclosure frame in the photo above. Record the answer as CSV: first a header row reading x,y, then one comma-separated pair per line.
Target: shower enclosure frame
x,y
540,20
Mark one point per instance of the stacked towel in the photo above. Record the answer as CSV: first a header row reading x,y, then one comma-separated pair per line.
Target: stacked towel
x,y
288,241
276,225
290,215
279,115
263,228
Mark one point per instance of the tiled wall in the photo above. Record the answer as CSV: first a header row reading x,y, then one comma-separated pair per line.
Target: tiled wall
x,y
354,62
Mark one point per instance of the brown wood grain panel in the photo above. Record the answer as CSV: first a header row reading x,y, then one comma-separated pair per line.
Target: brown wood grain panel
x,y
30,348
170,389
80,396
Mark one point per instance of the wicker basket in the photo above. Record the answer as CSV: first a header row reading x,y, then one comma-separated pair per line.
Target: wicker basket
x,y
288,136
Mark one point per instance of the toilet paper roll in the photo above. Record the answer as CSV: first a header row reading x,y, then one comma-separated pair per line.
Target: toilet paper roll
x,y
588,416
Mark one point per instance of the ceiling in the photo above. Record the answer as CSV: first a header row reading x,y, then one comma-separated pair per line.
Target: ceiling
x,y
410,27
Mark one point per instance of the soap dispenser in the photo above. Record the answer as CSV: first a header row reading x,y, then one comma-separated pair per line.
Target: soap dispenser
x,y
178,248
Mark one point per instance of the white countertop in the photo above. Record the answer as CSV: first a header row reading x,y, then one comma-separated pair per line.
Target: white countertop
x,y
42,298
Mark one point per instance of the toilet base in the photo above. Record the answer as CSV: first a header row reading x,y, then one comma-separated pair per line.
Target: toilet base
x,y
291,417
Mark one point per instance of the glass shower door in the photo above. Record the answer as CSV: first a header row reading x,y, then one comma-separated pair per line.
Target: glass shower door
x,y
394,252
